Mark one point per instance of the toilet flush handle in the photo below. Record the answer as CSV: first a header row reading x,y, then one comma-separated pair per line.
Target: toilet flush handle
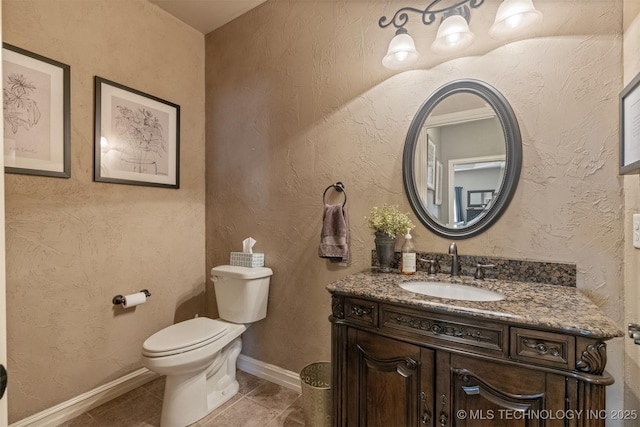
x,y
215,278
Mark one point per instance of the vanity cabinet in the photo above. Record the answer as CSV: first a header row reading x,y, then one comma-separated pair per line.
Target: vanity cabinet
x,y
396,365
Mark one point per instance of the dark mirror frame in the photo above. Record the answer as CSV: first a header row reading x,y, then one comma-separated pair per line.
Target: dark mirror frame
x,y
513,157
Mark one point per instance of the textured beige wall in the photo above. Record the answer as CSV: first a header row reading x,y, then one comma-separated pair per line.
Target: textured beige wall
x,y
631,68
73,244
297,100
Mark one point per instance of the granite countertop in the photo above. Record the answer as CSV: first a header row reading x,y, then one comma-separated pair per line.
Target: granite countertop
x,y
551,307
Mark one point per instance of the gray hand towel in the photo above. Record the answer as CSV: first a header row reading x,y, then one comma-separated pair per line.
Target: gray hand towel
x,y
334,238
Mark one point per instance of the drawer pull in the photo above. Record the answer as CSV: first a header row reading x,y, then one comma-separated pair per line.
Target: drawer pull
x,y
360,310
542,347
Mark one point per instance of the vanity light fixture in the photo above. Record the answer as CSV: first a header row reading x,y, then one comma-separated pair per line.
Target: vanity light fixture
x,y
454,34
402,51
514,18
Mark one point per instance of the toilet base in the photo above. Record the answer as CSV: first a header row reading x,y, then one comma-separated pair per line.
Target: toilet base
x,y
189,398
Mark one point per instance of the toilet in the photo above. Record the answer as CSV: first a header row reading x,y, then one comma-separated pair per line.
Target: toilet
x,y
198,356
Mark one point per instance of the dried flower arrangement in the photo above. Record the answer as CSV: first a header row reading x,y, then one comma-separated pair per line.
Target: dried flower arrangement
x,y
389,220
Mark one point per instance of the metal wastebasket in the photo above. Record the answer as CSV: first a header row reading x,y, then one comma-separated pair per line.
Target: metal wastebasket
x,y
316,394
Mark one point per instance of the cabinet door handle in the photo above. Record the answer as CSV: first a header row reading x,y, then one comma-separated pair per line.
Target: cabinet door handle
x,y
426,415
443,415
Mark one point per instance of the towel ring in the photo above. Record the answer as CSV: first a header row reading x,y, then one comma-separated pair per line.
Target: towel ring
x,y
339,187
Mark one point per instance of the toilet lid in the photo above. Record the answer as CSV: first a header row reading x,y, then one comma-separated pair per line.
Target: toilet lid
x,y
184,336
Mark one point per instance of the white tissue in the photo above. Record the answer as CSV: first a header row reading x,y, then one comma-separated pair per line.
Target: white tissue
x,y
134,299
247,245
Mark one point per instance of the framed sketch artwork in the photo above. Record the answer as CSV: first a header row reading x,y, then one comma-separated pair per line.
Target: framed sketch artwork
x,y
36,114
137,137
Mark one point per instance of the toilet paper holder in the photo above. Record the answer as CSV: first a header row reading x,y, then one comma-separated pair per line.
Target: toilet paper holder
x,y
119,299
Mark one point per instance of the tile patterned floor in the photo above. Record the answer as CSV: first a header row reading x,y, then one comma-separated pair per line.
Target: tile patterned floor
x,y
258,403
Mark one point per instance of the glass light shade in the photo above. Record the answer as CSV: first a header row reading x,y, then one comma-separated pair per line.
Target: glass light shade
x,y
514,19
402,52
453,36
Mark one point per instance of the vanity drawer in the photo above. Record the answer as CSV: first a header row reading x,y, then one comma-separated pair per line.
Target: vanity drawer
x,y
361,311
545,348
433,328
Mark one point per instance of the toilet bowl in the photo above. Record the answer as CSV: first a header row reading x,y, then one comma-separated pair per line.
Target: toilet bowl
x,y
198,356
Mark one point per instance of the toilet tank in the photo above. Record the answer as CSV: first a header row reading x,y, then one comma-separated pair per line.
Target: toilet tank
x,y
241,292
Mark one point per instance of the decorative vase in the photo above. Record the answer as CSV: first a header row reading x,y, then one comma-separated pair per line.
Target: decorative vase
x,y
385,248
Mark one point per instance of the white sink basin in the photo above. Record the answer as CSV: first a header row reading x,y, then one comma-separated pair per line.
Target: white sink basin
x,y
452,291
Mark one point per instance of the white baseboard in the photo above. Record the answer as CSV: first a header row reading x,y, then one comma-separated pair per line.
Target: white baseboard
x,y
272,373
70,409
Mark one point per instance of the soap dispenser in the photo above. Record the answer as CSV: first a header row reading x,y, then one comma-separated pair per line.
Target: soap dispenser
x,y
408,265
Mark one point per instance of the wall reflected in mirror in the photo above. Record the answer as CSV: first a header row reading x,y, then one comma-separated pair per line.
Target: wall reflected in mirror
x,y
459,160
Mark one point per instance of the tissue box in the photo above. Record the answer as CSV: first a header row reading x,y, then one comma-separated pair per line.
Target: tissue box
x,y
247,260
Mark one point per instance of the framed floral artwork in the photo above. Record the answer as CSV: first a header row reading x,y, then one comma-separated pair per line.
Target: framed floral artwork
x,y
137,137
36,114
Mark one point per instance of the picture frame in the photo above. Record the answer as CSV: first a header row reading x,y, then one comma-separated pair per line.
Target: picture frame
x,y
36,114
431,163
438,193
630,127
137,137
479,198
420,171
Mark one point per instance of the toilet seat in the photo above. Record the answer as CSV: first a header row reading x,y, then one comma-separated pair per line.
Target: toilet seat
x,y
184,336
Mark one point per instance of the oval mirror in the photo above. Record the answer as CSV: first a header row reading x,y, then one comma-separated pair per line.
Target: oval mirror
x,y
462,159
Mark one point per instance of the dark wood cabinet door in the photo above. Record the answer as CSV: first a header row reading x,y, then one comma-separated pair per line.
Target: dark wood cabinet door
x,y
390,383
485,393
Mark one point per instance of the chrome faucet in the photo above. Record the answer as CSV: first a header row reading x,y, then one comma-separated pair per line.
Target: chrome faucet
x,y
455,267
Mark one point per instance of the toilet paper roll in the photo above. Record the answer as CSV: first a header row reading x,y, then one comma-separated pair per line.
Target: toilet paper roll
x,y
134,299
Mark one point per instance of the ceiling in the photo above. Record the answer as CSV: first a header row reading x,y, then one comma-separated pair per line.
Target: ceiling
x,y
207,15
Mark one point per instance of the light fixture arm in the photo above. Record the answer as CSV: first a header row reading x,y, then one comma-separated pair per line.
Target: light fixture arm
x,y
463,11
401,17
